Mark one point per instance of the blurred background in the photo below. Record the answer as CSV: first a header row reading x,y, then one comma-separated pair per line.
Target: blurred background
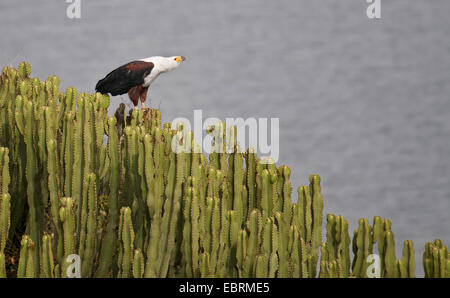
x,y
364,103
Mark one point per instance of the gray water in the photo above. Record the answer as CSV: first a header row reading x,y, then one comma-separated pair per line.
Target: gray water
x,y
364,103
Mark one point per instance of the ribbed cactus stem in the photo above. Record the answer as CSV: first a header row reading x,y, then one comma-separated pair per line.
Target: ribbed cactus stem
x,y
266,200
343,248
331,237
24,70
68,149
317,208
241,248
251,179
187,233
126,238
5,205
295,257
67,217
362,248
205,265
260,267
26,268
2,265
89,216
252,244
407,262
34,202
390,259
78,161
5,177
195,216
172,207
239,203
138,264
47,263
436,260
156,201
108,244
55,193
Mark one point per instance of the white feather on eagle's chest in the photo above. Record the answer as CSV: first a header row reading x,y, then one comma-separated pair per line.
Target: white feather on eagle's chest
x,y
151,77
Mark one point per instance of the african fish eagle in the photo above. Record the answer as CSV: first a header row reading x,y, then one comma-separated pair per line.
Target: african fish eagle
x,y
135,77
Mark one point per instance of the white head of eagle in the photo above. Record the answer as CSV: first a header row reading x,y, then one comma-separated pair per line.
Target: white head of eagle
x,y
135,77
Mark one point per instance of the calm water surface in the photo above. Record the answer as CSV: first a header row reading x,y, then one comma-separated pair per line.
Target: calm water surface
x,y
366,104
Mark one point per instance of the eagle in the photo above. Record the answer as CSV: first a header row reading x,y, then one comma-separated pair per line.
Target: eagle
x,y
136,76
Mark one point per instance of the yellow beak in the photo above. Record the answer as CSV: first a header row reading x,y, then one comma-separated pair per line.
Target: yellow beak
x,y
180,58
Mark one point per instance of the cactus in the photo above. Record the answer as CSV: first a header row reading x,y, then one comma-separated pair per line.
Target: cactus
x,y
4,227
26,266
137,208
126,238
108,241
67,217
32,163
337,245
47,263
138,264
88,237
436,260
407,263
317,207
5,206
55,191
362,248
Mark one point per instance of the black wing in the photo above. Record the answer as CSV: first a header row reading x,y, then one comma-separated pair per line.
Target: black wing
x,y
125,77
